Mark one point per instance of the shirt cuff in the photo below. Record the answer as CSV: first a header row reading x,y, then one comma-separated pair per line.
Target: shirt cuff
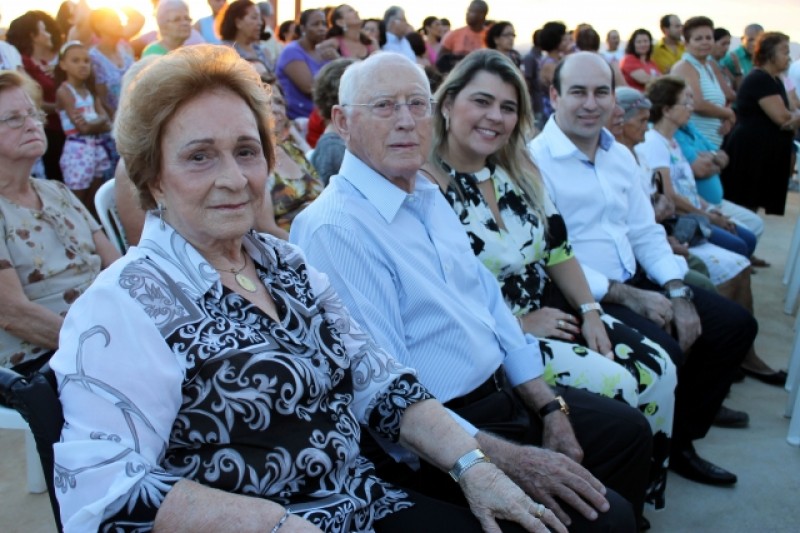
x,y
669,268
524,363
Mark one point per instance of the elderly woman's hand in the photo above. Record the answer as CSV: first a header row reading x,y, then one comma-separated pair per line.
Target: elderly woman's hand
x,y
492,495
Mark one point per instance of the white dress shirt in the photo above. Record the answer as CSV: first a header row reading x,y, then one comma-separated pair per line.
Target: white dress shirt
x,y
399,45
610,220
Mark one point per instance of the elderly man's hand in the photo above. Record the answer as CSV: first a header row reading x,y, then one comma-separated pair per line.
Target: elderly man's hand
x,y
687,323
546,475
492,495
650,304
560,437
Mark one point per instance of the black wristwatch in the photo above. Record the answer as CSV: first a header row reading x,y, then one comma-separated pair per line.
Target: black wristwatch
x,y
684,292
558,404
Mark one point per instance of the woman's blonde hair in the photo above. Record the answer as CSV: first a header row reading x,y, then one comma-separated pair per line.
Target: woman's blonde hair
x,y
161,88
513,157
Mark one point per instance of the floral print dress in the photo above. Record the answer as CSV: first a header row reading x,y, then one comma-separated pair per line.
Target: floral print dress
x,y
641,374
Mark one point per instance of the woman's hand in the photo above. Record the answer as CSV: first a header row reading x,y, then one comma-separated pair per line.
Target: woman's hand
x,y
327,49
718,219
551,323
492,495
594,331
678,248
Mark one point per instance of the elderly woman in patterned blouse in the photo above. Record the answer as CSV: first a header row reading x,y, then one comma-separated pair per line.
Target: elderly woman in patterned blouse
x,y
211,380
51,250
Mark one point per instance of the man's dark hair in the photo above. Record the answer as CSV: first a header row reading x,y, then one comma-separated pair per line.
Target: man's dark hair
x,y
664,22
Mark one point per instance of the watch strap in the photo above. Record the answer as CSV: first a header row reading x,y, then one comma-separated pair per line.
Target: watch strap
x,y
588,308
467,461
557,404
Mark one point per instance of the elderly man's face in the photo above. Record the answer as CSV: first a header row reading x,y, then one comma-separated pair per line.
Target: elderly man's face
x,y
395,146
587,98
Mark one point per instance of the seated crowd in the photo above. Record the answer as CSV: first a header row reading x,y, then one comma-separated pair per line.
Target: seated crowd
x,y
350,242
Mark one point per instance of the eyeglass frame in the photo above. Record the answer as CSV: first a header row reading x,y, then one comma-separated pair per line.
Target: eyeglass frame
x,y
373,108
37,115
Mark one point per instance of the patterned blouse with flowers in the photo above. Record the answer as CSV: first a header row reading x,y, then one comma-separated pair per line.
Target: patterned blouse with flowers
x,y
53,253
291,196
166,374
518,268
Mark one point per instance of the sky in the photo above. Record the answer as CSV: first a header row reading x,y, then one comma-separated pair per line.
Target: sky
x,y
526,15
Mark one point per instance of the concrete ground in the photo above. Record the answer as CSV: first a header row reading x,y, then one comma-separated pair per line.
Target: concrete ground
x,y
766,499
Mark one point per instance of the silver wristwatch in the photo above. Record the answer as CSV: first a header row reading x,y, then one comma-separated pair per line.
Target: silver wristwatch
x,y
588,308
684,292
467,461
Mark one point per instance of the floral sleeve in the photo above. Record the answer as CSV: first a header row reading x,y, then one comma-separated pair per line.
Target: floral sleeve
x,y
558,246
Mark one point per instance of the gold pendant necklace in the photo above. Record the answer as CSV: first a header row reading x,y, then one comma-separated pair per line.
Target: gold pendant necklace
x,y
241,279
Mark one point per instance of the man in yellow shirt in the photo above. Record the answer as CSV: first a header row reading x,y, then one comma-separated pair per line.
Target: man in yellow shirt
x,y
669,50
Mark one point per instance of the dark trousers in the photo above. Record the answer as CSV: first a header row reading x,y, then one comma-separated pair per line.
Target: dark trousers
x,y
429,515
705,374
615,438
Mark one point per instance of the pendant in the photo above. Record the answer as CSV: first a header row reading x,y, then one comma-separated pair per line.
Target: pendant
x,y
245,282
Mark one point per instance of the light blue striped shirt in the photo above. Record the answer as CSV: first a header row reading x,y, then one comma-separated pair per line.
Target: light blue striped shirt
x,y
403,265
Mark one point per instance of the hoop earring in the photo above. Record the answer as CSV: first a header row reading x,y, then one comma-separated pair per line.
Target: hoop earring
x,y
161,209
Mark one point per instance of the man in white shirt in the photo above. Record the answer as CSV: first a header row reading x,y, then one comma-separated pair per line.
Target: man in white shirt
x,y
394,20
627,261
400,260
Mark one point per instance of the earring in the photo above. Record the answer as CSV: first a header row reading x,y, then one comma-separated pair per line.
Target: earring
x,y
446,122
161,209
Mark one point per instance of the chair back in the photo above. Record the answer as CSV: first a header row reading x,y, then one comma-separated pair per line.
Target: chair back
x,y
36,399
106,206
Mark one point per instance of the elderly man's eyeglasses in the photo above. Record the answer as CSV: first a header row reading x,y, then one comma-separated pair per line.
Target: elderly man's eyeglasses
x,y
17,121
418,107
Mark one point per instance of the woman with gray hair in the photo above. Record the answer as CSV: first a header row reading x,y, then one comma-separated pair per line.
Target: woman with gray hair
x,y
211,379
174,27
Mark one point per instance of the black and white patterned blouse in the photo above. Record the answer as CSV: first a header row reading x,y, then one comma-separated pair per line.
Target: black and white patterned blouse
x,y
517,254
166,374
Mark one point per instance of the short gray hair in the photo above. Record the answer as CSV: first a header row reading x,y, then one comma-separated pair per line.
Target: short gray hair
x,y
265,8
356,76
165,7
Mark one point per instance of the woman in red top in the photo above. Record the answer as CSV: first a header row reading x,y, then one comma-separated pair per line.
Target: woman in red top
x,y
636,66
29,34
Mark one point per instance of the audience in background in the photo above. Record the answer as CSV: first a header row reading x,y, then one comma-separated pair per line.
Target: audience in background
x,y
464,40
637,66
670,48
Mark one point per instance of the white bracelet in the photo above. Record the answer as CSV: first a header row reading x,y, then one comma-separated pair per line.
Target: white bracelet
x,y
467,461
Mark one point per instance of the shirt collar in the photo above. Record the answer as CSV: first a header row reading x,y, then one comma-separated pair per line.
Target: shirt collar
x,y
562,147
185,265
384,195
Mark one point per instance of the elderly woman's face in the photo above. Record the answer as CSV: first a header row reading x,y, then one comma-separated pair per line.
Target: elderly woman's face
x,y
213,171
178,24
635,127
26,142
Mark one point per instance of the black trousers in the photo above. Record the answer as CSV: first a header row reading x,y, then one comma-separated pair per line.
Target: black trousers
x,y
429,515
615,438
706,372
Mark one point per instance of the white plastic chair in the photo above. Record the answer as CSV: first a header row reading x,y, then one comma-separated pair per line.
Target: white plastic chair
x,y
791,273
106,207
11,419
793,387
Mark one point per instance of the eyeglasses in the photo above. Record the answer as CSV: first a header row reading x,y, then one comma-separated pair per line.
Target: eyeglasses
x,y
17,121
418,107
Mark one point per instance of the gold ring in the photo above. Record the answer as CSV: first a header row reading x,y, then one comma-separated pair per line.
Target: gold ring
x,y
540,510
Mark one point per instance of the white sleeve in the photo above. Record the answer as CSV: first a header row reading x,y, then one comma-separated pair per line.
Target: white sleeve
x,y
120,387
